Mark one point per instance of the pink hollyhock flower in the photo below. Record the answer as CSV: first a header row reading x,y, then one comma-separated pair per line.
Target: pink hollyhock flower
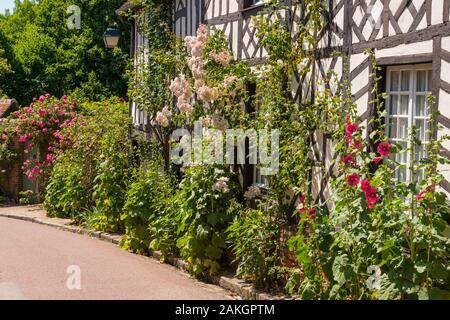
x,y
356,144
41,99
420,196
50,149
121,99
45,130
372,197
350,158
35,170
370,193
352,179
365,185
22,139
351,128
4,137
17,114
377,160
384,149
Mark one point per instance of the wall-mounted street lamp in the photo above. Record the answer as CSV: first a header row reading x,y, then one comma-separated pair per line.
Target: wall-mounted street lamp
x,y
111,37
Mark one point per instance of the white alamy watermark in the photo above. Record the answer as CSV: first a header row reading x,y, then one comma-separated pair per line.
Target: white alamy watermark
x,y
231,146
74,280
74,20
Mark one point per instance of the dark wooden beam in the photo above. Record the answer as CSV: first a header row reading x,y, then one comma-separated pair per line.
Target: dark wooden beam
x,y
440,30
408,59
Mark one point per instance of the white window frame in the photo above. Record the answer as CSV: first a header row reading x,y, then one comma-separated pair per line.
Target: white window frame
x,y
254,3
411,116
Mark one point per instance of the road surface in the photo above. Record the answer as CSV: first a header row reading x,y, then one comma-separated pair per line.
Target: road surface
x,y
40,262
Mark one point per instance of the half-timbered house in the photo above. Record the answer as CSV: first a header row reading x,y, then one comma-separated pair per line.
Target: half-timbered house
x,y
410,40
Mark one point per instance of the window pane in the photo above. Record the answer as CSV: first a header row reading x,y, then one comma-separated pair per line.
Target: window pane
x,y
404,105
392,128
395,80
405,80
402,156
394,104
402,128
421,127
420,106
420,174
420,153
421,81
401,174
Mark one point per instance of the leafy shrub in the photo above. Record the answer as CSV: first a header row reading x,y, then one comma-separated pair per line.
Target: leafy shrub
x,y
205,195
145,208
253,237
91,177
68,191
164,226
384,239
41,125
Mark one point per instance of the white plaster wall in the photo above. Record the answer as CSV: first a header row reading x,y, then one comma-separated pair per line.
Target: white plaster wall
x,y
406,49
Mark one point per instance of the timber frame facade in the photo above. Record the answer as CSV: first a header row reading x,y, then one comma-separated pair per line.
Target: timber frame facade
x,y
405,35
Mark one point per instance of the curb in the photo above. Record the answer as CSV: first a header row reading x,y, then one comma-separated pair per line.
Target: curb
x,y
236,286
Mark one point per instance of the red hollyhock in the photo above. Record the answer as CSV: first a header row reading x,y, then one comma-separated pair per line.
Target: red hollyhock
x,y
350,158
377,160
351,128
370,193
352,179
357,144
420,196
384,149
301,198
365,185
312,214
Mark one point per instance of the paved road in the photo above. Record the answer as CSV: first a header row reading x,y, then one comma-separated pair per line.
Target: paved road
x,y
34,261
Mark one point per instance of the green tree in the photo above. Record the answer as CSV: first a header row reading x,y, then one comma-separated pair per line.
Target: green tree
x,y
49,57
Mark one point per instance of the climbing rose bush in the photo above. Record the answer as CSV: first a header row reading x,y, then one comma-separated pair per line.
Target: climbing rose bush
x,y
39,126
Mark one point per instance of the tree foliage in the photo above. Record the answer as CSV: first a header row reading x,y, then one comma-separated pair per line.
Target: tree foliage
x,y
46,56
